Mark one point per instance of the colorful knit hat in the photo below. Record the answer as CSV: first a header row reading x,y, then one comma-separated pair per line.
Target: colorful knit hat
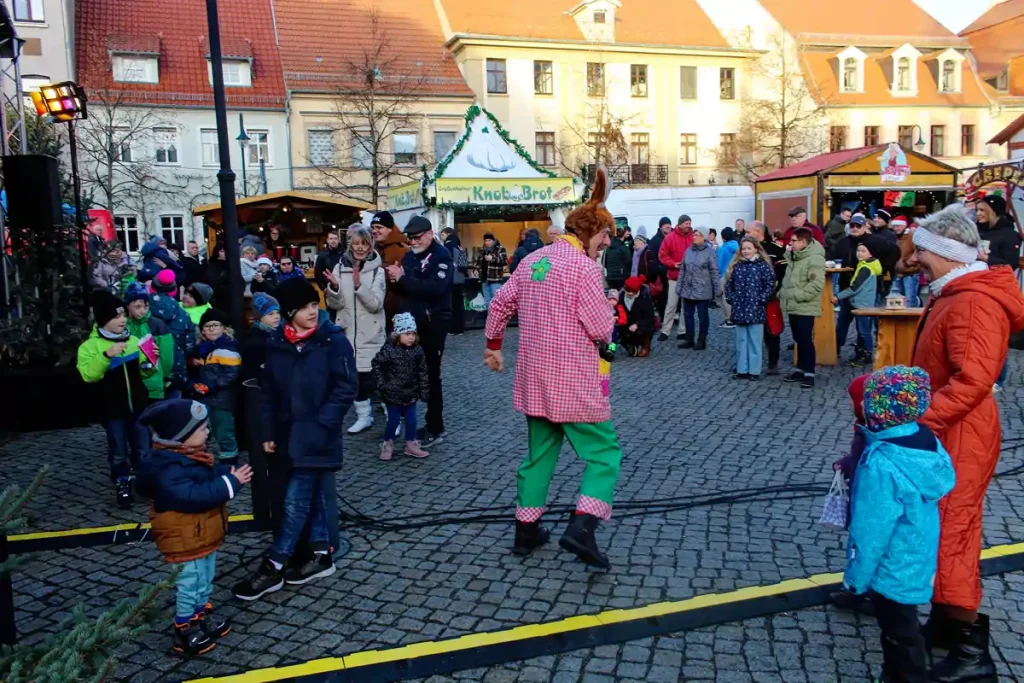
x,y
896,395
136,291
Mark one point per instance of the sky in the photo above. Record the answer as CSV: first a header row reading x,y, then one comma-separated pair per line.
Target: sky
x,y
956,15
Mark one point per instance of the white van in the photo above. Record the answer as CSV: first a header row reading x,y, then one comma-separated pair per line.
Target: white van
x,y
710,206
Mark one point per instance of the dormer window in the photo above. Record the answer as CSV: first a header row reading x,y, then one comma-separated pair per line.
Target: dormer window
x,y
135,69
903,74
237,73
850,75
599,17
948,76
948,68
851,70
904,69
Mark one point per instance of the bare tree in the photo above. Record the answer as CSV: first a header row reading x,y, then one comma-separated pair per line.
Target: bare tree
x,y
375,99
781,123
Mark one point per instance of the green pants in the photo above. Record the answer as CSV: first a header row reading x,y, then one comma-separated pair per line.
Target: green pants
x,y
598,446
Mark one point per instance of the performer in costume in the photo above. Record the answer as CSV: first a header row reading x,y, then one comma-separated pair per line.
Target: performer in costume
x,y
564,322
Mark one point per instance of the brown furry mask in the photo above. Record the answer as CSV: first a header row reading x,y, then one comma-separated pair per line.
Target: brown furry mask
x,y
590,218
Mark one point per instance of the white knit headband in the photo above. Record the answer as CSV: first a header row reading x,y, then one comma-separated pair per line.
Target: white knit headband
x,y
945,247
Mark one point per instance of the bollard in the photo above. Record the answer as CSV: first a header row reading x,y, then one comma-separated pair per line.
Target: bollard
x,y
8,629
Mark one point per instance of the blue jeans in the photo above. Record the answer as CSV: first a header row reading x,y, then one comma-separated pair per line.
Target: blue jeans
x,y
691,306
866,333
397,414
194,585
489,289
748,349
909,286
305,500
222,424
125,438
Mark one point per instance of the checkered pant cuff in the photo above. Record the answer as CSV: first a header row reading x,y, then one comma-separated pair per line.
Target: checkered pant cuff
x,y
593,506
528,514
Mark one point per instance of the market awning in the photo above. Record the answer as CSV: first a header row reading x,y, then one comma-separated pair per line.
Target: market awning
x,y
263,207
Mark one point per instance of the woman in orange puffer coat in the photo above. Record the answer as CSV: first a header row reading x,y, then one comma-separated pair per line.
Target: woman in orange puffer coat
x,y
962,344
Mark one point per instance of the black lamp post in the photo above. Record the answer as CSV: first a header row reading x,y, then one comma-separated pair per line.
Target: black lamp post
x,y
243,144
919,145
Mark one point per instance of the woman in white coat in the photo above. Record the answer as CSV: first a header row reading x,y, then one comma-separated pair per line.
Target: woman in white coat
x,y
355,289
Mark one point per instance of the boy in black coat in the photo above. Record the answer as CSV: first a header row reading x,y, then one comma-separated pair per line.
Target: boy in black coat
x,y
309,382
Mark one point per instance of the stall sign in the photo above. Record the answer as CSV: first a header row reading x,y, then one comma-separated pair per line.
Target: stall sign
x,y
505,192
406,196
894,164
1006,173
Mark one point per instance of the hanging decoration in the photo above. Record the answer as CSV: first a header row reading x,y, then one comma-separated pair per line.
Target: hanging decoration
x,y
488,156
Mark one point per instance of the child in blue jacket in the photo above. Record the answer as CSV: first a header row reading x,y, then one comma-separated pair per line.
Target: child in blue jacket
x,y
220,366
894,524
188,514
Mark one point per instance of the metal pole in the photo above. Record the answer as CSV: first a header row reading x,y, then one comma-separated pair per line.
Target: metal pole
x,y
76,183
225,176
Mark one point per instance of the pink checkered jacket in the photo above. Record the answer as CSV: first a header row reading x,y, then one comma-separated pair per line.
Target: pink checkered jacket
x,y
558,293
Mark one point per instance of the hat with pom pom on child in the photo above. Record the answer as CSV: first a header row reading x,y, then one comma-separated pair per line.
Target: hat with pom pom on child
x,y
173,421
165,283
402,323
896,395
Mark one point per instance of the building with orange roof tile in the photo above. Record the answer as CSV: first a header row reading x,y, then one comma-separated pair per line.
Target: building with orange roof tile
x,y
149,150
653,89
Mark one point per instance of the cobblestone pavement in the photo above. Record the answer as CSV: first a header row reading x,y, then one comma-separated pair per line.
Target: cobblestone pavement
x,y
686,429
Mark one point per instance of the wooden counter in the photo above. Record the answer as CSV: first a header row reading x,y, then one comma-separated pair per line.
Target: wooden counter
x,y
897,330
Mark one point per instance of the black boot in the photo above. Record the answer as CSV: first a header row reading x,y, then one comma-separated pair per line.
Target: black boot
x,y
702,343
191,640
266,579
529,537
687,342
940,631
213,624
123,492
969,660
579,539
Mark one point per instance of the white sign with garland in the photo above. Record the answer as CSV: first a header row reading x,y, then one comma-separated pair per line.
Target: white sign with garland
x,y
486,155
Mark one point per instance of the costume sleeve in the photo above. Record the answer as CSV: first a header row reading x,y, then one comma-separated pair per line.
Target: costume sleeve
x,y
344,384
592,307
371,290
92,361
873,520
976,341
504,305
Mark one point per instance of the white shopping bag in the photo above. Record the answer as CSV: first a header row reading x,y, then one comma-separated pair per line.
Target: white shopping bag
x,y
836,512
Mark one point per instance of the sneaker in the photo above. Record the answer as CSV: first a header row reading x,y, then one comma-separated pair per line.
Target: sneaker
x,y
320,566
860,361
662,337
387,449
808,382
427,439
753,378
413,448
213,624
794,377
266,579
728,325
741,375
123,492
192,640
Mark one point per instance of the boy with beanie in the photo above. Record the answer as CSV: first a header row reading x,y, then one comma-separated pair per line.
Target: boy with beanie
x,y
861,293
188,514
111,360
163,306
195,300
254,344
309,382
894,522
220,364
141,324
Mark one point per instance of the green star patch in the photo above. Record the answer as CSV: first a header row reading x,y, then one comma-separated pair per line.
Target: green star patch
x,y
540,269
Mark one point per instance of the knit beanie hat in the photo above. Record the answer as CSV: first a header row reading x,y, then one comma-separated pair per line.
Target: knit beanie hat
x,y
995,202
884,215
856,390
264,261
293,294
264,304
105,307
201,292
384,218
173,421
896,395
212,315
633,284
402,323
164,282
665,220
136,291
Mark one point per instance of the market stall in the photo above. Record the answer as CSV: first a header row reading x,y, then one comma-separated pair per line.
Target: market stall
x,y
867,178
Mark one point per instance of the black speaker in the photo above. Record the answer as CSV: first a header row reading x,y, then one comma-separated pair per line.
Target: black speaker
x,y
33,191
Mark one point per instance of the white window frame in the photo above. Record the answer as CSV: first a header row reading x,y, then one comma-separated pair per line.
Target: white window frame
x,y
258,150
205,142
689,68
951,56
174,229
167,139
242,78
416,147
309,147
439,154
122,230
858,56
34,12
135,69
911,54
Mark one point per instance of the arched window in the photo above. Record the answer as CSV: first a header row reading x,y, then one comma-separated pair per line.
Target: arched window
x,y
903,74
949,76
850,75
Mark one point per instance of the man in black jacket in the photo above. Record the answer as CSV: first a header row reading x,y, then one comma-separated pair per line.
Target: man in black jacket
x,y
655,268
424,282
835,229
997,229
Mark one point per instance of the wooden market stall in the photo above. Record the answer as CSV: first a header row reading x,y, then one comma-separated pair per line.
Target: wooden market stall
x,y
300,219
866,178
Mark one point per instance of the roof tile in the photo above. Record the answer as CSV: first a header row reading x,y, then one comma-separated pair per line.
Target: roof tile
x,y
822,162
899,19
999,13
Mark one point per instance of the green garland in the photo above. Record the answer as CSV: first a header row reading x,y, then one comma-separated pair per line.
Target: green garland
x,y
503,209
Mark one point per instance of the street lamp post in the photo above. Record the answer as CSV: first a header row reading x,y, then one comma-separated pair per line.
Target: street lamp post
x,y
919,145
243,144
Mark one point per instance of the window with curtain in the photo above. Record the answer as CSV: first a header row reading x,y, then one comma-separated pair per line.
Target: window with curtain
x,y
903,74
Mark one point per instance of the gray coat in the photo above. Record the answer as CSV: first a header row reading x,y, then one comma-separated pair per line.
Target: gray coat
x,y
698,277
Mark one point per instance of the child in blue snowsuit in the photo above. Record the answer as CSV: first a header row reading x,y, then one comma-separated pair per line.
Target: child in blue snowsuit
x,y
216,385
894,525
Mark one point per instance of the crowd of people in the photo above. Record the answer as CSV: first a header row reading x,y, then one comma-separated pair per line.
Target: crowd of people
x,y
169,370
